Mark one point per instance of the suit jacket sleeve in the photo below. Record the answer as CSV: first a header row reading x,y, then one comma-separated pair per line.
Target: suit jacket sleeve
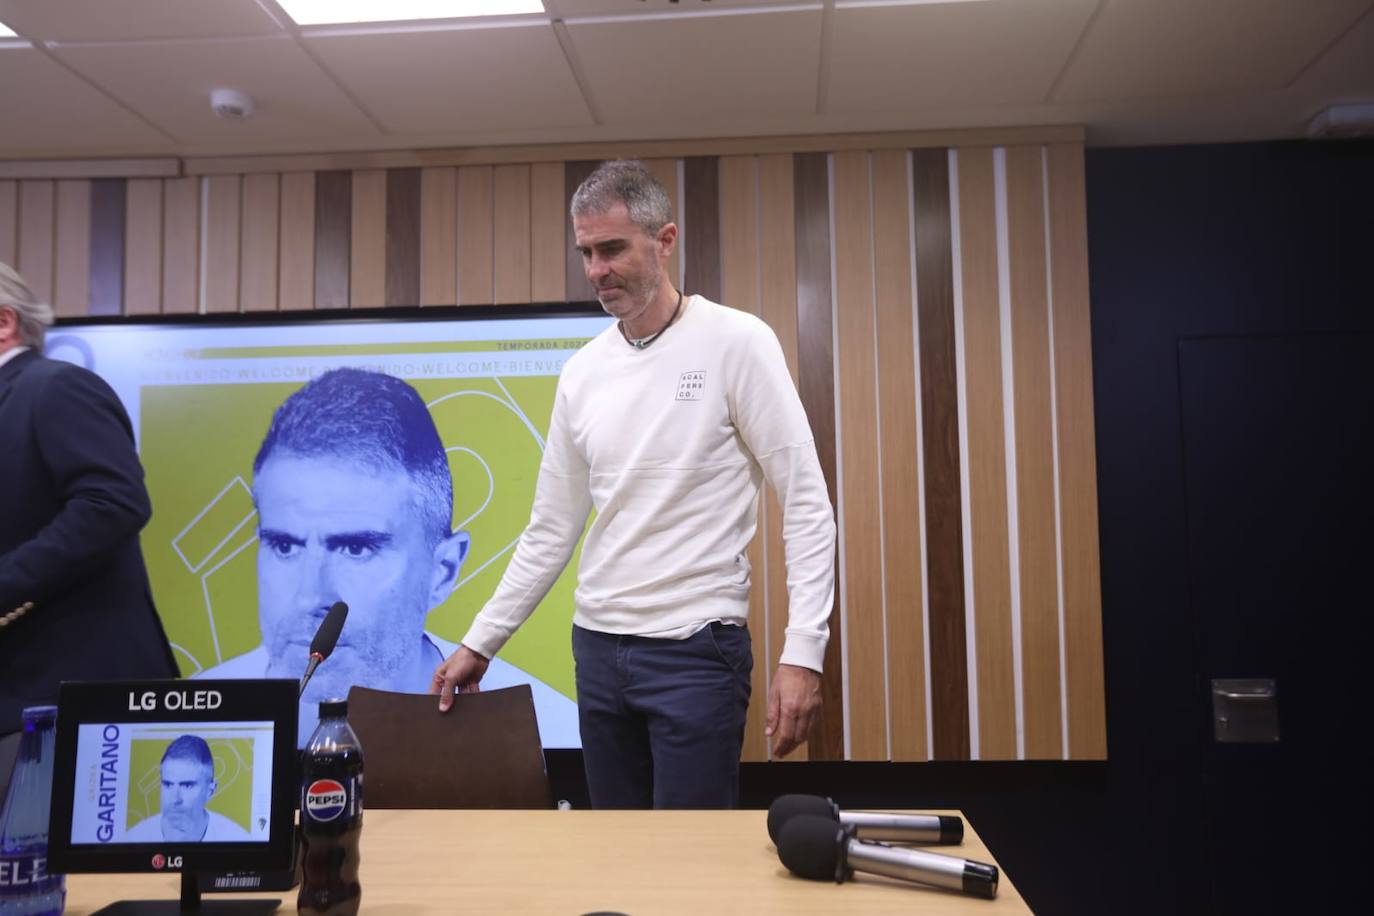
x,y
86,444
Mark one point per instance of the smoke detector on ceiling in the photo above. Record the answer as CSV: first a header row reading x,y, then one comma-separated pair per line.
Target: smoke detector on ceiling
x,y
231,104
1338,122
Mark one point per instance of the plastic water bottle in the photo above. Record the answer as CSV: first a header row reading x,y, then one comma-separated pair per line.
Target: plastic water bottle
x,y
26,888
331,816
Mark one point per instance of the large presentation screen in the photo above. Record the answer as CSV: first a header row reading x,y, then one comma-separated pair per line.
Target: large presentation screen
x,y
255,534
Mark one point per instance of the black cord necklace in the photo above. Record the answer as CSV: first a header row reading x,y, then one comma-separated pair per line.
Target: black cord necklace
x,y
643,342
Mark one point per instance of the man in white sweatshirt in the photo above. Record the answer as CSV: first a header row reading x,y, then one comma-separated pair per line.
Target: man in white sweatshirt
x,y
667,424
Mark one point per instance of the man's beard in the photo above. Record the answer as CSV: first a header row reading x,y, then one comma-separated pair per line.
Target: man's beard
x,y
635,295
335,675
180,822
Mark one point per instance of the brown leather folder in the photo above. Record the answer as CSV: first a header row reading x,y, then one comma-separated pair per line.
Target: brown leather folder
x,y
483,753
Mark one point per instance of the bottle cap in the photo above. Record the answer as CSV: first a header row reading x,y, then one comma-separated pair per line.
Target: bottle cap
x,y
39,714
336,708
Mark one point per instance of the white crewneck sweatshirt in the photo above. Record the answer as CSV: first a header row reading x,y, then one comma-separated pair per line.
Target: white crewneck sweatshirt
x,y
671,444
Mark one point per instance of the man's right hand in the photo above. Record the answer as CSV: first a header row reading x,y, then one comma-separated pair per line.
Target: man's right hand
x,y
463,670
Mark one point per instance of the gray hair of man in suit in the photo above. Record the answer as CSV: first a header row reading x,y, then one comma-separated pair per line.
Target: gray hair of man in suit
x,y
34,316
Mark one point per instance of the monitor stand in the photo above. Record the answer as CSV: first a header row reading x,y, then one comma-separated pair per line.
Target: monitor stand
x,y
190,904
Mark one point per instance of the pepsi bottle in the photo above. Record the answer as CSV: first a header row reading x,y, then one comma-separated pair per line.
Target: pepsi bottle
x,y
331,816
26,888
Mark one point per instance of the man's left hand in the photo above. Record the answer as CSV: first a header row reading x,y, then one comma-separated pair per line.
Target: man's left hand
x,y
794,699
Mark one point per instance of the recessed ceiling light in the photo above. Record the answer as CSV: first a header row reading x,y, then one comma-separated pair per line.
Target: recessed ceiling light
x,y
6,31
319,12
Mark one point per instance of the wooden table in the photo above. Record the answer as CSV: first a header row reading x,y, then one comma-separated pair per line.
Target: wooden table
x,y
634,862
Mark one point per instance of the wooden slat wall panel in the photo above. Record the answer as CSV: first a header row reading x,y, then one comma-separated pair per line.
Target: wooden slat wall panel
x,y
223,204
865,623
260,242
511,234
665,170
181,245
548,243
1040,681
987,461
816,383
37,223
107,246
701,226
579,290
367,264
143,246
739,287
475,235
9,222
940,445
333,238
72,286
901,495
439,236
296,242
778,305
1072,343
739,233
403,237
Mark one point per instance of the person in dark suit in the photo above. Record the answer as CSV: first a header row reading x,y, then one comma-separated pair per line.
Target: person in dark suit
x,y
74,596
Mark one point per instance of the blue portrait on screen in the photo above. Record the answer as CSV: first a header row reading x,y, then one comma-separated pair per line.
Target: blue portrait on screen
x,y
186,783
354,498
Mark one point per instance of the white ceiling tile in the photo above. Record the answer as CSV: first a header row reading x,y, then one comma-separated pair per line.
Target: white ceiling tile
x,y
131,20
1147,71
886,58
456,78
671,68
1183,47
57,110
1345,73
169,83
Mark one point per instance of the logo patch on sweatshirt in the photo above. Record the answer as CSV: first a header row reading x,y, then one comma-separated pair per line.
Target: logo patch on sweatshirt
x,y
691,385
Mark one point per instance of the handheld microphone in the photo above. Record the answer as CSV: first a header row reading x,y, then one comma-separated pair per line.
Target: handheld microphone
x,y
325,638
818,848
935,829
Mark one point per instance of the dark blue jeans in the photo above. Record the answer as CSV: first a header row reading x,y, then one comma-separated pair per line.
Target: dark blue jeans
x,y
662,720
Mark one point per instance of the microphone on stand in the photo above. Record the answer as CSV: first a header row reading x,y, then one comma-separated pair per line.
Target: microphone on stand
x,y
934,829
325,638
818,848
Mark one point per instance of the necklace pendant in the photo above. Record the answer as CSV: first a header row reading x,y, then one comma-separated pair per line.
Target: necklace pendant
x,y
643,342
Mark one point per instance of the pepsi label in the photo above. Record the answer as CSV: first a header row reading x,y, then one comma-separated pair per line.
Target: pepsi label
x,y
326,799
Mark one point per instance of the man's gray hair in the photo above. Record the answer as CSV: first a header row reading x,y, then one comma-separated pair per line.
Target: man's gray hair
x,y
628,182
34,315
193,748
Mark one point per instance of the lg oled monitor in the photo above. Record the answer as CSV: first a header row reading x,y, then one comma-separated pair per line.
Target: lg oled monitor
x,y
174,775
386,460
